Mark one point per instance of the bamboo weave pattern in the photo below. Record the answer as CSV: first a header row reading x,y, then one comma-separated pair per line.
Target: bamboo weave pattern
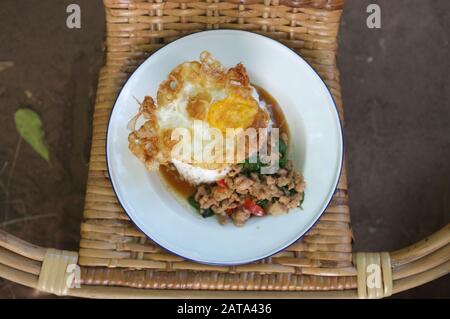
x,y
114,251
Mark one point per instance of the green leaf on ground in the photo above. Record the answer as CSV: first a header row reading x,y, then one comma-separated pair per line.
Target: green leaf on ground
x,y
29,126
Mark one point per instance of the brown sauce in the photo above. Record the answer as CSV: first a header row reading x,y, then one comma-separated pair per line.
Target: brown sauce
x,y
273,107
175,183
182,188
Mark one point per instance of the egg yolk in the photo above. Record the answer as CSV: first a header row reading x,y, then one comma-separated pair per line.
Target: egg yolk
x,y
232,112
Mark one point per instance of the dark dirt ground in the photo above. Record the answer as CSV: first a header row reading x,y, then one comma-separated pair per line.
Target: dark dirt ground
x,y
396,96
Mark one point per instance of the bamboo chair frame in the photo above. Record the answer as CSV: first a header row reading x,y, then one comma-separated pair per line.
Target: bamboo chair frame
x,y
429,259
134,29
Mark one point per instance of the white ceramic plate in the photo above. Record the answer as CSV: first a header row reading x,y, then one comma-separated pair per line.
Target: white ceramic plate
x,y
316,148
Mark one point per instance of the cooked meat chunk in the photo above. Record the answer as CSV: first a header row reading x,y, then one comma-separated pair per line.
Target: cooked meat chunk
x,y
282,172
277,208
222,193
240,217
284,200
201,191
243,183
207,202
294,200
223,220
234,171
270,180
283,181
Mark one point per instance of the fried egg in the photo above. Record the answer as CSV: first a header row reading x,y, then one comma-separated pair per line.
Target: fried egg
x,y
204,99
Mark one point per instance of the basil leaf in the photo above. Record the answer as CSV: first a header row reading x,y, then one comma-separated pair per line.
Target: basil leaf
x,y
207,213
283,161
302,200
282,147
286,190
263,203
191,200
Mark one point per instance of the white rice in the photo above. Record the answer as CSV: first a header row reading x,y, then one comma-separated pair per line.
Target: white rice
x,y
197,175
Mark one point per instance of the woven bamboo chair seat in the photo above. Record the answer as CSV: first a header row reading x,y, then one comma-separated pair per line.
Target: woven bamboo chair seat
x,y
117,260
